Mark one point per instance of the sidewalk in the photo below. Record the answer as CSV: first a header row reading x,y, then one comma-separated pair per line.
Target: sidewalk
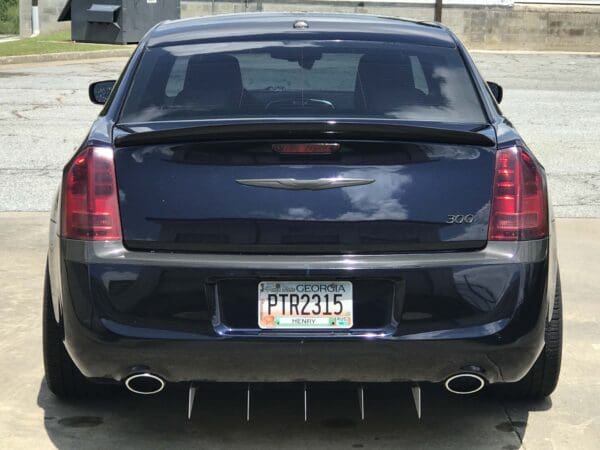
x,y
8,38
55,47
66,56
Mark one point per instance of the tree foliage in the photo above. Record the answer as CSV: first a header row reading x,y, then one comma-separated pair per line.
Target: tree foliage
x,y
9,16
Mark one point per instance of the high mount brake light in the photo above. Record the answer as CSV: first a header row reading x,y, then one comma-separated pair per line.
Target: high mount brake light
x,y
306,149
90,207
519,204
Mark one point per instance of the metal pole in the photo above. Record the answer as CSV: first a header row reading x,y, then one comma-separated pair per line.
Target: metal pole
x,y
35,18
438,11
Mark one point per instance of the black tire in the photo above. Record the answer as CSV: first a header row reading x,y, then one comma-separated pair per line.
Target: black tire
x,y
62,376
542,378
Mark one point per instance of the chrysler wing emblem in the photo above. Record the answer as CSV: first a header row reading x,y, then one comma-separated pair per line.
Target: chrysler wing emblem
x,y
312,185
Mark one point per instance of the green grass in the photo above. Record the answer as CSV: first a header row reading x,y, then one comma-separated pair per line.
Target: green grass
x,y
50,43
9,16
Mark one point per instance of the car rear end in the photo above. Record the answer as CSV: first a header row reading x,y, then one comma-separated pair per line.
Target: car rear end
x,y
307,210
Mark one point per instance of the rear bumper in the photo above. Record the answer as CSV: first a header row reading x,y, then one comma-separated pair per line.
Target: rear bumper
x,y
123,313
375,360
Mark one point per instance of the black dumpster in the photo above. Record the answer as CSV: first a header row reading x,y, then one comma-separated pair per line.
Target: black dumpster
x,y
116,21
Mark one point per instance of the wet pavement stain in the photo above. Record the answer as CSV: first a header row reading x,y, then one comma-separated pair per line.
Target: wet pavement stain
x,y
14,74
80,421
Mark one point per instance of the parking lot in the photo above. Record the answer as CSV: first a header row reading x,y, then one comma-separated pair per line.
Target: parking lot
x,y
44,115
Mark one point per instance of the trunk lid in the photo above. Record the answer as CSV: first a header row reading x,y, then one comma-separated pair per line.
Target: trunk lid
x,y
182,192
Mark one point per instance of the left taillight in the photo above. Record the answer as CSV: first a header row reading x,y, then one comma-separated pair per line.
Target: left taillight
x,y
90,206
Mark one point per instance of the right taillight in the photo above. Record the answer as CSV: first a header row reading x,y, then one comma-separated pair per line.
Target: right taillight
x,y
90,206
519,207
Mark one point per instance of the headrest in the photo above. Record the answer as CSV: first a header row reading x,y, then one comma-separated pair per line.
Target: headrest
x,y
212,81
381,78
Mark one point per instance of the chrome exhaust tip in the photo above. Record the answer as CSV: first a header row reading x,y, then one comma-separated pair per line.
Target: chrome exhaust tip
x,y
465,383
145,384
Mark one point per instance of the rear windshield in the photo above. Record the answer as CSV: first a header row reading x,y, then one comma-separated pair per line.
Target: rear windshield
x,y
303,79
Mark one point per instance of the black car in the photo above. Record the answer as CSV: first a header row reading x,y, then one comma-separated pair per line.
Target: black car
x,y
302,198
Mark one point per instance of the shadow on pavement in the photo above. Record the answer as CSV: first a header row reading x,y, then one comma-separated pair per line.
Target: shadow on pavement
x,y
218,421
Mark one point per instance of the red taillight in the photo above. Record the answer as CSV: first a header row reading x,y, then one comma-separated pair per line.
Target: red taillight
x,y
89,198
306,149
519,209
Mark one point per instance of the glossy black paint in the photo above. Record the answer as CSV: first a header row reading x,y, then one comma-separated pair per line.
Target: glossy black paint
x,y
420,323
406,208
264,26
496,90
99,92
289,128
186,323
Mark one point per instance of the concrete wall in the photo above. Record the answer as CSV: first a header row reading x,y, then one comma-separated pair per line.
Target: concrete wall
x,y
527,27
48,12
25,17
512,27
489,27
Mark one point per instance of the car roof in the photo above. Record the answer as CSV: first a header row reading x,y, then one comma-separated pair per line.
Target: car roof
x,y
280,26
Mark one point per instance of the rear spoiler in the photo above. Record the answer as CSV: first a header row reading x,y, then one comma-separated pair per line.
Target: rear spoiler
x,y
299,130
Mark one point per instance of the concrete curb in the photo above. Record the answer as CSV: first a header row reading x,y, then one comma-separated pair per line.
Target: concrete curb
x,y
67,56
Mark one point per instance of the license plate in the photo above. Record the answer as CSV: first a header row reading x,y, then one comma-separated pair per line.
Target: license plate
x,y
305,304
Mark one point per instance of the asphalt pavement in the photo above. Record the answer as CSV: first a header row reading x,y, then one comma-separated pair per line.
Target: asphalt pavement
x,y
552,98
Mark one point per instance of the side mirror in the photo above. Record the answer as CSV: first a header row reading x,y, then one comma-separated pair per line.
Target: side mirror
x,y
497,90
100,90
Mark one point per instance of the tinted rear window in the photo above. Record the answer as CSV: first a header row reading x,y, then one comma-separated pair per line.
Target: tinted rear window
x,y
302,79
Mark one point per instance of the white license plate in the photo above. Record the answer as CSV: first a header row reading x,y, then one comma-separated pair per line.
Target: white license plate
x,y
305,304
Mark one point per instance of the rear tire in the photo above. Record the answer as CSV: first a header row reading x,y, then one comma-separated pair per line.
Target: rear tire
x,y
542,378
62,376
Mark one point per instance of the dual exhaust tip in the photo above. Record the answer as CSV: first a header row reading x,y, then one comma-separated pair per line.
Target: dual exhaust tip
x,y
148,384
145,383
464,383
